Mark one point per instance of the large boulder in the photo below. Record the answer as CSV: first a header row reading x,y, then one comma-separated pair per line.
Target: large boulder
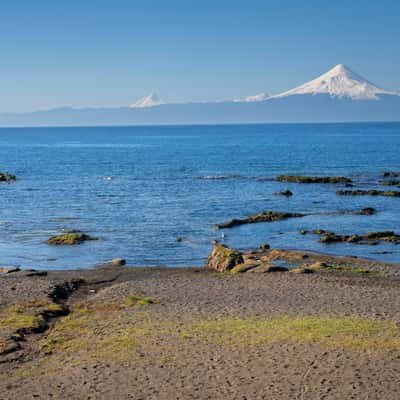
x,y
223,258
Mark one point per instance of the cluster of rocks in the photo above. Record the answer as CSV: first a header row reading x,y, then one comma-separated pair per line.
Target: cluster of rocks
x,y
370,238
312,179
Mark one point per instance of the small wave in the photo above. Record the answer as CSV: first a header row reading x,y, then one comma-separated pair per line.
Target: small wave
x,y
219,177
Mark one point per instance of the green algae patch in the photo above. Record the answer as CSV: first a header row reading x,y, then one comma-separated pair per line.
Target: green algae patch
x,y
353,333
100,331
140,301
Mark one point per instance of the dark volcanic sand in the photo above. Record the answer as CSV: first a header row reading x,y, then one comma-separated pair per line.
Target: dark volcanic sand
x,y
166,368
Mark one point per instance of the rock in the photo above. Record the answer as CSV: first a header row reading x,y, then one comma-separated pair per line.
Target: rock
x,y
9,270
371,192
70,239
276,268
4,177
268,216
301,270
391,174
368,211
313,179
118,261
286,193
223,258
391,182
303,232
243,268
371,238
265,246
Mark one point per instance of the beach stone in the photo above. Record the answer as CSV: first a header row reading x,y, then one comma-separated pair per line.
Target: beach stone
x,y
265,246
118,261
223,258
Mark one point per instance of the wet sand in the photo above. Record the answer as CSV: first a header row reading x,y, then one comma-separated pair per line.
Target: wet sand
x,y
151,333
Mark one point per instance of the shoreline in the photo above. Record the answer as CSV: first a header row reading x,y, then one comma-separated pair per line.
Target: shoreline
x,y
114,331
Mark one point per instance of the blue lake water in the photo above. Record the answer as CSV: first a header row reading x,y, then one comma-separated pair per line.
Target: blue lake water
x,y
139,188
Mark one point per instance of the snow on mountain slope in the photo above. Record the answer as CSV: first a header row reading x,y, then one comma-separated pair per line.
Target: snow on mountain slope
x,y
251,99
340,81
148,101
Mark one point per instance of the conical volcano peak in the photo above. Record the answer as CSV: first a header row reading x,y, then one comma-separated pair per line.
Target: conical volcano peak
x,y
340,81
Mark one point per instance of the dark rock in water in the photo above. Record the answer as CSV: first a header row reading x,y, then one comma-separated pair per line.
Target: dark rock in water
x,y
70,239
4,177
348,185
286,193
391,174
303,232
371,192
392,182
371,238
368,211
313,179
223,258
265,246
269,216
179,239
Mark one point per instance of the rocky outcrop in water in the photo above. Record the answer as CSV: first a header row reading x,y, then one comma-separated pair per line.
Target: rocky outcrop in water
x,y
371,192
4,177
268,216
312,179
368,238
71,237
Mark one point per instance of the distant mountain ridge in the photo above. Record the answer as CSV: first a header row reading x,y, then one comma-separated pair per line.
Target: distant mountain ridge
x,y
340,95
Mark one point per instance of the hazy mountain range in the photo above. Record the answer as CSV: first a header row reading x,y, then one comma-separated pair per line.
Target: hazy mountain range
x,y
339,95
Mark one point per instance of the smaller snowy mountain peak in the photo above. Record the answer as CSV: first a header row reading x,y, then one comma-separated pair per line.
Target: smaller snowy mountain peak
x,y
252,99
340,81
149,101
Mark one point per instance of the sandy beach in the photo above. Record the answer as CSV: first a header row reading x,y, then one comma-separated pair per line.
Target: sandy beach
x,y
188,333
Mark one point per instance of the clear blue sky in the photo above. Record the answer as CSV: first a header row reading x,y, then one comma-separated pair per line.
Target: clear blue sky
x,y
111,52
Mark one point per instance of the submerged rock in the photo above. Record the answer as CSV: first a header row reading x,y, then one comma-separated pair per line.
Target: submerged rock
x,y
367,211
269,216
371,192
71,238
4,177
223,258
313,179
286,193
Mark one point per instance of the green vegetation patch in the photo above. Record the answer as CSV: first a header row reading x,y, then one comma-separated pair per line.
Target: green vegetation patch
x,y
355,333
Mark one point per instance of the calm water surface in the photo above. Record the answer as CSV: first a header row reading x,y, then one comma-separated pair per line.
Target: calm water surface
x,y
139,188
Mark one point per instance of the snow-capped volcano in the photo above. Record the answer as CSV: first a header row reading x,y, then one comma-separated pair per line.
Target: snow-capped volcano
x,y
148,101
340,81
251,99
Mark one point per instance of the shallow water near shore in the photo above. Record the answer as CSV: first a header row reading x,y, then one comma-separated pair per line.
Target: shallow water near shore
x,y
139,188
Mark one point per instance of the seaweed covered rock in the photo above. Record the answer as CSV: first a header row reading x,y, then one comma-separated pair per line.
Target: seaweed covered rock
x,y
390,182
4,177
268,216
313,179
371,192
223,258
70,238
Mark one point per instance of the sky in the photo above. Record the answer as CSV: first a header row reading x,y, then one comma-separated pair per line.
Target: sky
x,y
110,53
